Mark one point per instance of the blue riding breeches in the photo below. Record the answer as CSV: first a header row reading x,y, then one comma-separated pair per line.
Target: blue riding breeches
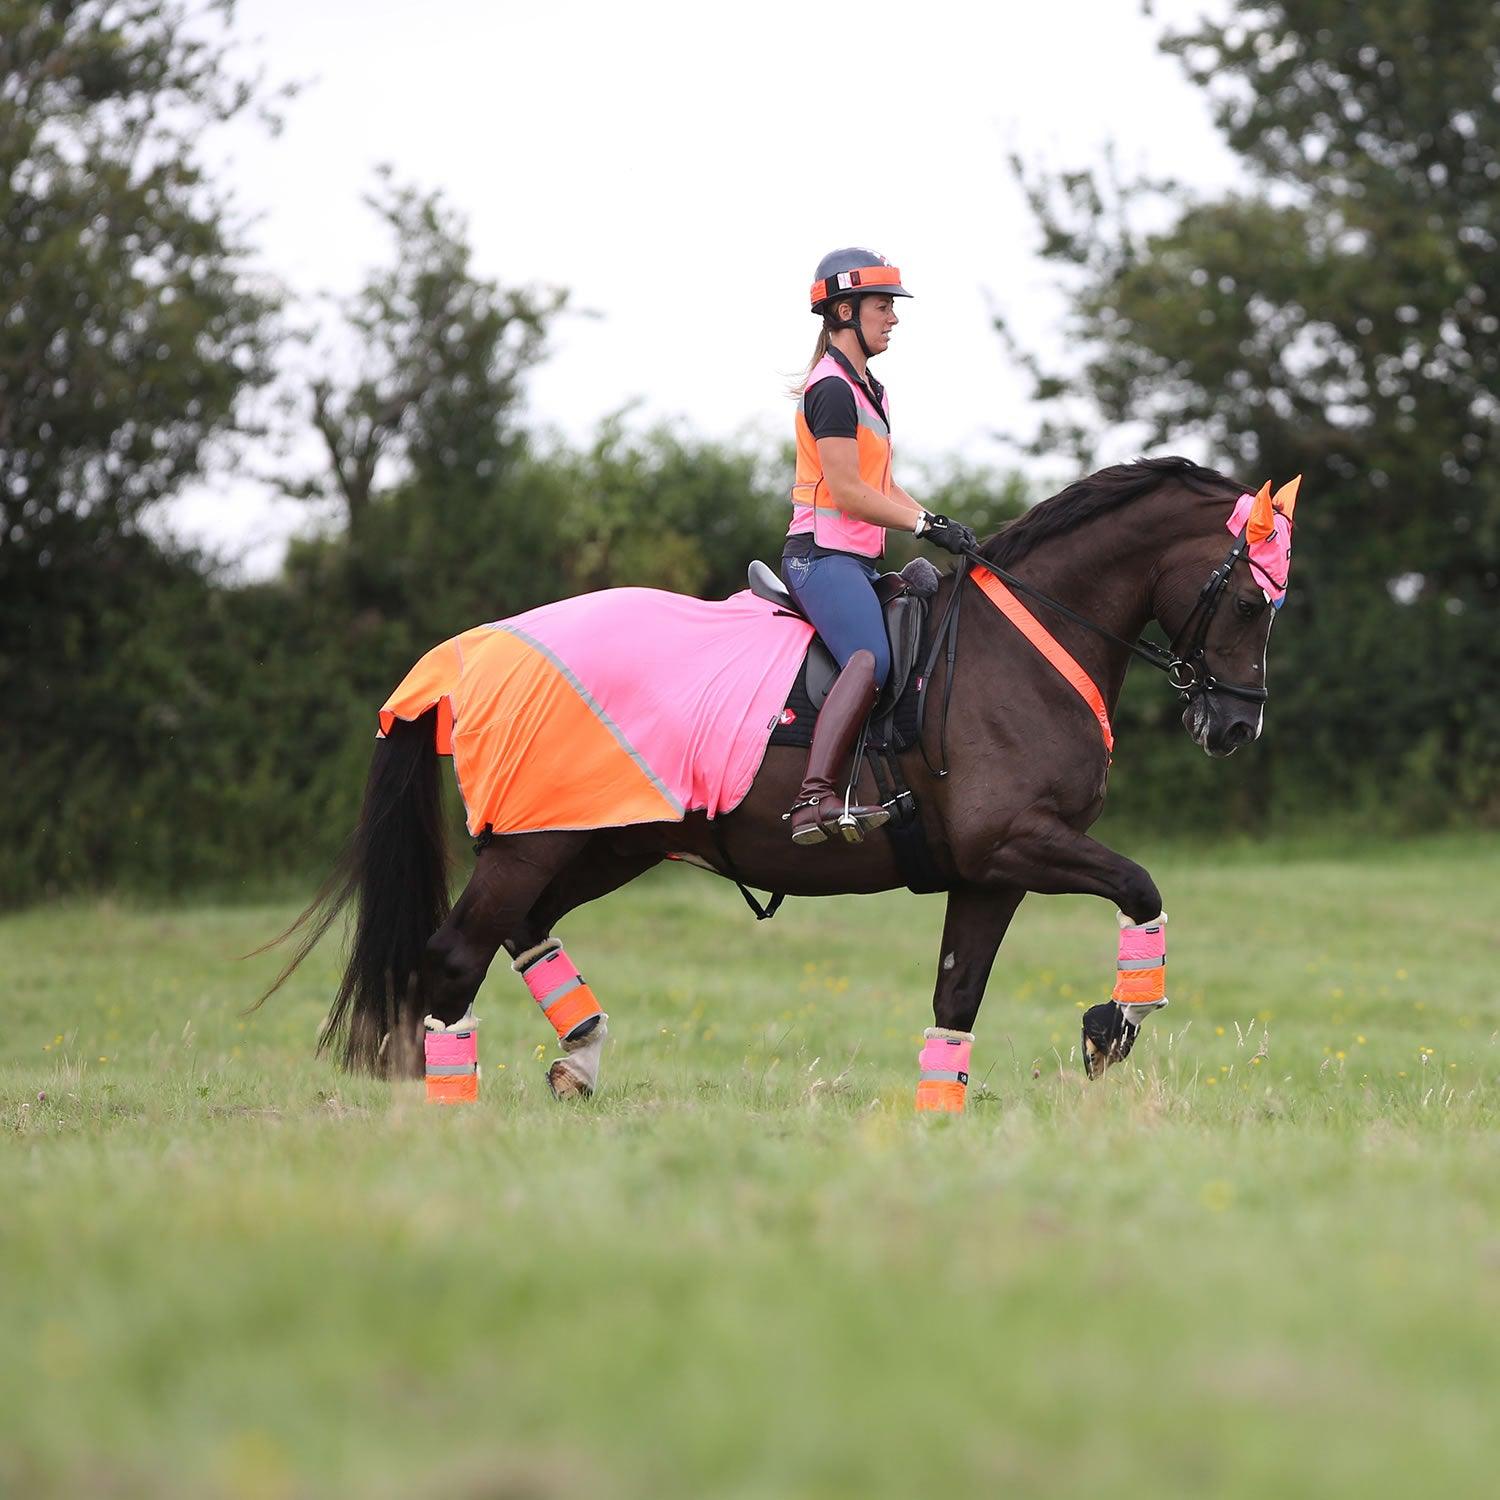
x,y
836,592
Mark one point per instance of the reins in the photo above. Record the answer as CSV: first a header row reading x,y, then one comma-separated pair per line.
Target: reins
x,y
1185,670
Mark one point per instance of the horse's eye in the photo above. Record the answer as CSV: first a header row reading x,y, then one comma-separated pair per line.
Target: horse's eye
x,y
1246,609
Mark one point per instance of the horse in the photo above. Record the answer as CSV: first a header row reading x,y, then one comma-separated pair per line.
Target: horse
x,y
1027,743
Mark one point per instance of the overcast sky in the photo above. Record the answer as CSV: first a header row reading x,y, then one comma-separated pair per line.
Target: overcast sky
x,y
636,154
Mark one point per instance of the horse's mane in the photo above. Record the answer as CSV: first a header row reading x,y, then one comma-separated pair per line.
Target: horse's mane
x,y
1086,498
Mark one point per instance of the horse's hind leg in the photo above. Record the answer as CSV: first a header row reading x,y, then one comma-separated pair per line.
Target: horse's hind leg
x,y
595,871
567,1001
509,876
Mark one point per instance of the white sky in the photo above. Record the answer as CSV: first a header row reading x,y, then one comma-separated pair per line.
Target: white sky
x,y
632,153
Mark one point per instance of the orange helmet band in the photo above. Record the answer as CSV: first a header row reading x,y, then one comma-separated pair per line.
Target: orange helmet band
x,y
862,279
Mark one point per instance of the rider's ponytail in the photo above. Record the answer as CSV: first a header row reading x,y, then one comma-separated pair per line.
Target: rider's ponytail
x,y
798,386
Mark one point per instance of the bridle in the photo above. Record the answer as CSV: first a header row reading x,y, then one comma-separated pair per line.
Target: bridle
x,y
1187,670
1185,665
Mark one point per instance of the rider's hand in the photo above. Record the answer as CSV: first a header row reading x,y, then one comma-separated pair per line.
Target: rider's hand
x,y
942,532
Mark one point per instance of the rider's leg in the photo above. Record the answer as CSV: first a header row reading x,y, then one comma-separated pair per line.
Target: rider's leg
x,y
837,594
819,808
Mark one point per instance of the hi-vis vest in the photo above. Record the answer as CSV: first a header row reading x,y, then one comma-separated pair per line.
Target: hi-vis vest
x,y
813,506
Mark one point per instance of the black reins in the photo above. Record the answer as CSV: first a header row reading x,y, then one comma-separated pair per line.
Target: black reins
x,y
1186,669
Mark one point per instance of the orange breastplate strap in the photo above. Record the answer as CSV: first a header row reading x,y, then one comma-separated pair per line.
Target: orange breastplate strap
x,y
1040,637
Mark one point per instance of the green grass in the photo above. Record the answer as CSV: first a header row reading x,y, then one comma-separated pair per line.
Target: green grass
x,y
747,1270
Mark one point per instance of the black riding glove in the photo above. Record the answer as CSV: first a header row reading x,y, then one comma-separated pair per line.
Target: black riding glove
x,y
942,532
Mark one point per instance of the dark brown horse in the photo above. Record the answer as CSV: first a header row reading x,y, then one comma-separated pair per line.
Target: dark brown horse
x,y
1028,774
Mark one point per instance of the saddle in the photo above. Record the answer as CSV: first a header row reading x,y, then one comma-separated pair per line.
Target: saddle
x,y
903,598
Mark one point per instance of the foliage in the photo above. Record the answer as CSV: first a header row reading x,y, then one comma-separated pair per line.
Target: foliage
x,y
130,323
665,510
175,730
441,353
132,329
1336,319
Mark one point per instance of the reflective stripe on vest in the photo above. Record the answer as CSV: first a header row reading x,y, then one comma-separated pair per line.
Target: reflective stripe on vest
x,y
814,508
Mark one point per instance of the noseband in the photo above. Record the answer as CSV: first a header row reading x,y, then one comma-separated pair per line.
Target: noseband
x,y
1186,666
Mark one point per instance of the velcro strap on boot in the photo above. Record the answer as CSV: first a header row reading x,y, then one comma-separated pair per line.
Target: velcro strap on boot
x,y
557,986
1141,971
943,1083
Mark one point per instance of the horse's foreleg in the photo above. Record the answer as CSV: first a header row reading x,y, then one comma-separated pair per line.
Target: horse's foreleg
x,y
1046,856
1054,858
976,922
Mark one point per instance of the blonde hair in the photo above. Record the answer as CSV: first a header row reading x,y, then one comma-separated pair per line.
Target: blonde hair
x,y
798,386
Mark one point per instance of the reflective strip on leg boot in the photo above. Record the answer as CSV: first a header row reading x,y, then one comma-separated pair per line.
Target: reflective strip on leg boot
x,y
558,987
452,1057
1141,972
944,1061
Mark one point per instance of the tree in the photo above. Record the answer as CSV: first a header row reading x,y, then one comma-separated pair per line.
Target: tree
x,y
1340,317
131,324
132,328
441,355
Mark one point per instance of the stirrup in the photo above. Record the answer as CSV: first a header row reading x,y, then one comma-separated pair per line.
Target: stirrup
x,y
855,823
851,823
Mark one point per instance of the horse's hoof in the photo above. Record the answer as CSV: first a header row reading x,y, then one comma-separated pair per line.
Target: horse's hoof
x,y
1095,1058
1107,1038
565,1084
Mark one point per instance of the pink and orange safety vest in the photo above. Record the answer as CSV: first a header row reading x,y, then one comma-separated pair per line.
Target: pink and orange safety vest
x,y
813,507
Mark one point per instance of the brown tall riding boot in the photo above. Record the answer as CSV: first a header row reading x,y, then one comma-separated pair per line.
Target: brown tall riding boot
x,y
819,809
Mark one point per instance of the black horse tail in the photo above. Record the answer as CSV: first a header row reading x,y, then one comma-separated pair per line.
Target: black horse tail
x,y
394,869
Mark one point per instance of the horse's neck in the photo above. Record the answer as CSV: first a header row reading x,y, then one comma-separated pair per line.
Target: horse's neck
x,y
1103,571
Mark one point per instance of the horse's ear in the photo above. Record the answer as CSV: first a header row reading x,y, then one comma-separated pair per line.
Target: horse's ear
x,y
1285,499
1261,523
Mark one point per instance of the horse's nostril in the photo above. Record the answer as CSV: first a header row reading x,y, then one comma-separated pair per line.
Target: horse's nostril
x,y
1238,734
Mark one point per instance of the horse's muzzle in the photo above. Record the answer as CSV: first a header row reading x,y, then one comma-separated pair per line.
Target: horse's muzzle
x,y
1214,731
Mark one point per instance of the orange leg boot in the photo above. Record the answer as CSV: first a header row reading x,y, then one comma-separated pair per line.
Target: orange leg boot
x,y
452,1058
1110,1030
569,1004
820,809
944,1061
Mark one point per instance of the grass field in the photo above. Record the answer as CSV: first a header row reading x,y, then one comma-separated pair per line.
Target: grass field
x,y
1264,1260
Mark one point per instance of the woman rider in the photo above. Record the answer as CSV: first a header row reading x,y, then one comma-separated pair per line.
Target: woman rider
x,y
842,503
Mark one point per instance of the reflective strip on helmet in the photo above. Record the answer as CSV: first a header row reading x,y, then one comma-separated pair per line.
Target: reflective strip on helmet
x,y
858,280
